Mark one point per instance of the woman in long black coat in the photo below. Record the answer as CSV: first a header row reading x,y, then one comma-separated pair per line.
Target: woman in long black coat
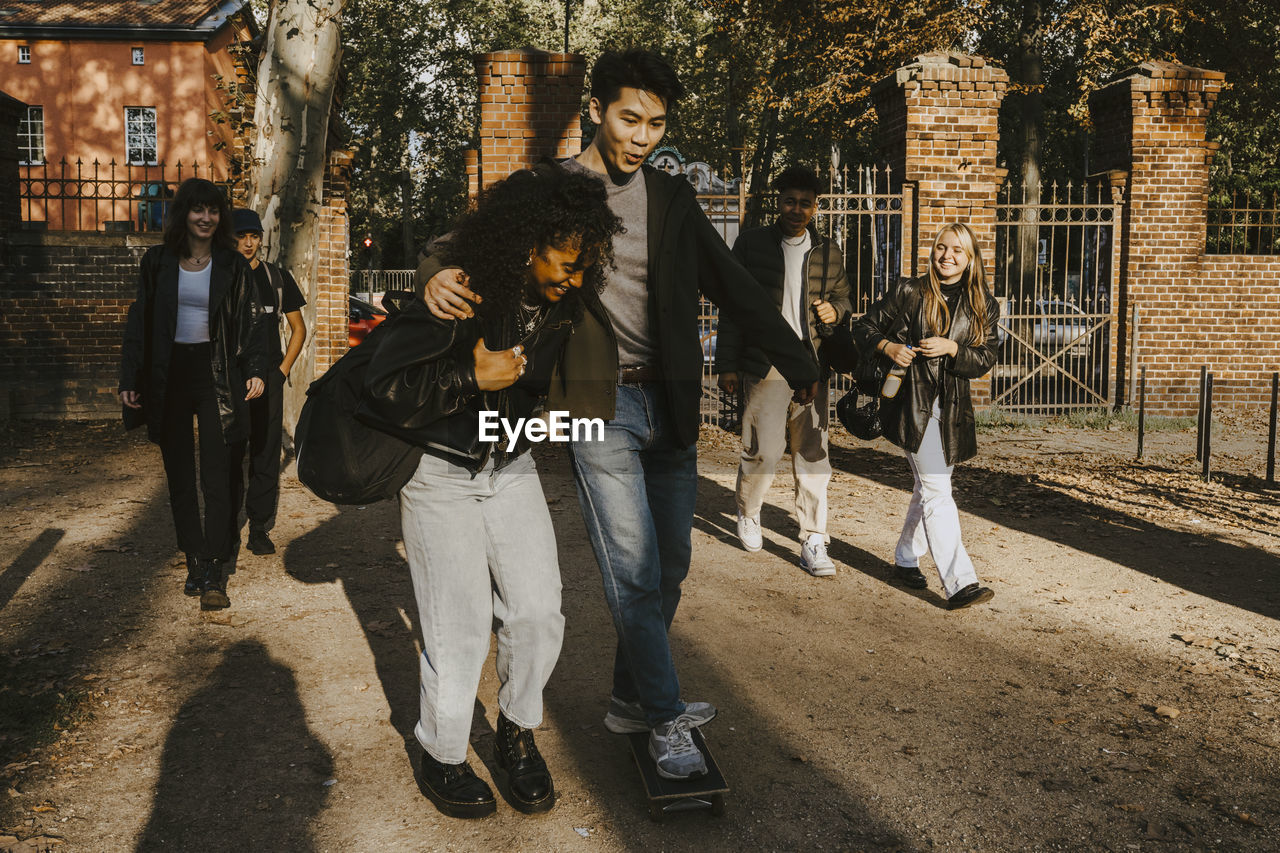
x,y
190,350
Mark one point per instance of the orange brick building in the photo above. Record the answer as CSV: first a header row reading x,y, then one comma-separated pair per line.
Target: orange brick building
x,y
116,90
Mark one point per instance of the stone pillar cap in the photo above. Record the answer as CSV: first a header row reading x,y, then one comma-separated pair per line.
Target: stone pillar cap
x,y
1159,69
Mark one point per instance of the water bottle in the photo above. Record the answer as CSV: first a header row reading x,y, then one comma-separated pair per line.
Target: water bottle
x,y
893,381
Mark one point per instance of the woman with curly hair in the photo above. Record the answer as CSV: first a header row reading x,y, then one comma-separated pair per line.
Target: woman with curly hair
x,y
941,327
477,532
191,352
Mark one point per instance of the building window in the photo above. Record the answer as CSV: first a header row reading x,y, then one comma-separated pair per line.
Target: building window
x,y
31,137
24,54
140,135
139,56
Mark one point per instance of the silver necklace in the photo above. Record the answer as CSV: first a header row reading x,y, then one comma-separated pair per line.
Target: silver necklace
x,y
795,241
529,316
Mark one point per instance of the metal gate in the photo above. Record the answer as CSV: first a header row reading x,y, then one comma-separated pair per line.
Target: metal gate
x,y
1056,276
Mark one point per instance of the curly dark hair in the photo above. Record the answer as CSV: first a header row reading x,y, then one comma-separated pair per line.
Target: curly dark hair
x,y
798,177
197,192
530,211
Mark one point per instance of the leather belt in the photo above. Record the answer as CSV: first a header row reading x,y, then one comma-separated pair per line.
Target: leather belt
x,y
638,375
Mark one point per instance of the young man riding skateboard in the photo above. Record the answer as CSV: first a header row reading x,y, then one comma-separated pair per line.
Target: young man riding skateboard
x,y
636,362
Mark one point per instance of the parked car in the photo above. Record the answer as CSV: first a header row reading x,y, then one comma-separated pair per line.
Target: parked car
x,y
362,319
1061,325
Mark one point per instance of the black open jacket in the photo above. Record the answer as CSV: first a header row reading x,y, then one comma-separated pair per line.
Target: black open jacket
x,y
899,318
687,257
759,250
421,384
235,339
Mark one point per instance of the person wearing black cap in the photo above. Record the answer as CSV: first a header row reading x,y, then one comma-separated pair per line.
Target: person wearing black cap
x,y
280,297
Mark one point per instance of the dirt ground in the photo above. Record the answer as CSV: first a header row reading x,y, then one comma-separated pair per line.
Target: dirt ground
x,y
1119,693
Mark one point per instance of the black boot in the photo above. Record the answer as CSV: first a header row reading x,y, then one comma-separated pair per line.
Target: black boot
x,y
455,788
260,543
213,595
195,576
530,781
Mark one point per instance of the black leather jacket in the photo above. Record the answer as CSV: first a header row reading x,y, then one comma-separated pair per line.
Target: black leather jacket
x,y
421,384
236,343
899,317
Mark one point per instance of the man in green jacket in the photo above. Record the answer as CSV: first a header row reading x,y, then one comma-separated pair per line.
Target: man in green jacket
x,y
636,361
804,273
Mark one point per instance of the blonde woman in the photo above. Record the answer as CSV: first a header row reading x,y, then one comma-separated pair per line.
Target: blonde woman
x,y
941,327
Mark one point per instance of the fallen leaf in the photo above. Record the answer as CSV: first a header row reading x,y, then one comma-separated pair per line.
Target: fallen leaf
x,y
909,750
1169,713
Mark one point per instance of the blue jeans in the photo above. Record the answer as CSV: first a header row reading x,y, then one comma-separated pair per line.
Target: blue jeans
x,y
637,488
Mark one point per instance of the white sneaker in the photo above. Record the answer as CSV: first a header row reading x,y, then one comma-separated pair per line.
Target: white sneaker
x,y
814,559
628,717
672,749
749,532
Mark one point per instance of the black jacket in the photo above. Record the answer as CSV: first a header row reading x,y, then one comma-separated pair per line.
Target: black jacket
x,y
421,384
686,257
759,250
235,339
899,318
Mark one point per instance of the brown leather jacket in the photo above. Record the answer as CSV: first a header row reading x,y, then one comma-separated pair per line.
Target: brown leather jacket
x,y
899,318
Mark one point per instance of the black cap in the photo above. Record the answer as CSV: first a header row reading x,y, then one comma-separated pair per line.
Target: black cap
x,y
243,219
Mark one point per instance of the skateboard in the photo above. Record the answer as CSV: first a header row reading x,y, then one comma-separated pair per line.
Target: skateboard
x,y
677,795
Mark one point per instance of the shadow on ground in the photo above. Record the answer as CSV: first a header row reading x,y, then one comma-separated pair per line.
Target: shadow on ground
x,y
229,783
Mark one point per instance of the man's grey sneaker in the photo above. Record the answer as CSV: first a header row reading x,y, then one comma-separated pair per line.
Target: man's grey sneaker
x,y
672,749
814,559
749,532
626,718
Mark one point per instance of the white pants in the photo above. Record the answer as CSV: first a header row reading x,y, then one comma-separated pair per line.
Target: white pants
x,y
481,550
767,416
933,522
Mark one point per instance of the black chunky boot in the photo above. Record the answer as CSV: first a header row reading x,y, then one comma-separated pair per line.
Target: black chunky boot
x,y
213,595
195,576
527,774
455,788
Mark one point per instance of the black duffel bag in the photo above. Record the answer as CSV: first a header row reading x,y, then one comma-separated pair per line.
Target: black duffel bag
x,y
341,459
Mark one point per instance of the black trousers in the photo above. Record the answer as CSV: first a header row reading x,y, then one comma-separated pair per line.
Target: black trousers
x,y
190,394
266,428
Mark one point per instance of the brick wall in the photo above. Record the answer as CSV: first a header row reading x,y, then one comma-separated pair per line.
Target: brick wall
x,y
63,300
530,107
1219,310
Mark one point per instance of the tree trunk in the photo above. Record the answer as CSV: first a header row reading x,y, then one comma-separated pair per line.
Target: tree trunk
x,y
1031,108
296,79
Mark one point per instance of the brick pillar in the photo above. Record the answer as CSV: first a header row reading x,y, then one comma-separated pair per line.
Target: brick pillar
x,y
11,112
1151,124
937,131
530,107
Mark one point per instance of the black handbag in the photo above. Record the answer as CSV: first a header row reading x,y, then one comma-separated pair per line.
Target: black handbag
x,y
340,458
862,421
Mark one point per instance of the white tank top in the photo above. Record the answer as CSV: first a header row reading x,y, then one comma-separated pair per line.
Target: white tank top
x,y
193,306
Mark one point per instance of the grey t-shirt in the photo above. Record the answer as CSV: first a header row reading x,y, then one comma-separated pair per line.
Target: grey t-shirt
x,y
626,294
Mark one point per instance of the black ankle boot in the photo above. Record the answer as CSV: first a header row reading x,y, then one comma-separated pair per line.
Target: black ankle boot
x,y
455,788
213,595
195,576
530,781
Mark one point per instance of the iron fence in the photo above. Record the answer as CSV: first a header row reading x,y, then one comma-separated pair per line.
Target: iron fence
x,y
1243,225
95,196
1056,266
